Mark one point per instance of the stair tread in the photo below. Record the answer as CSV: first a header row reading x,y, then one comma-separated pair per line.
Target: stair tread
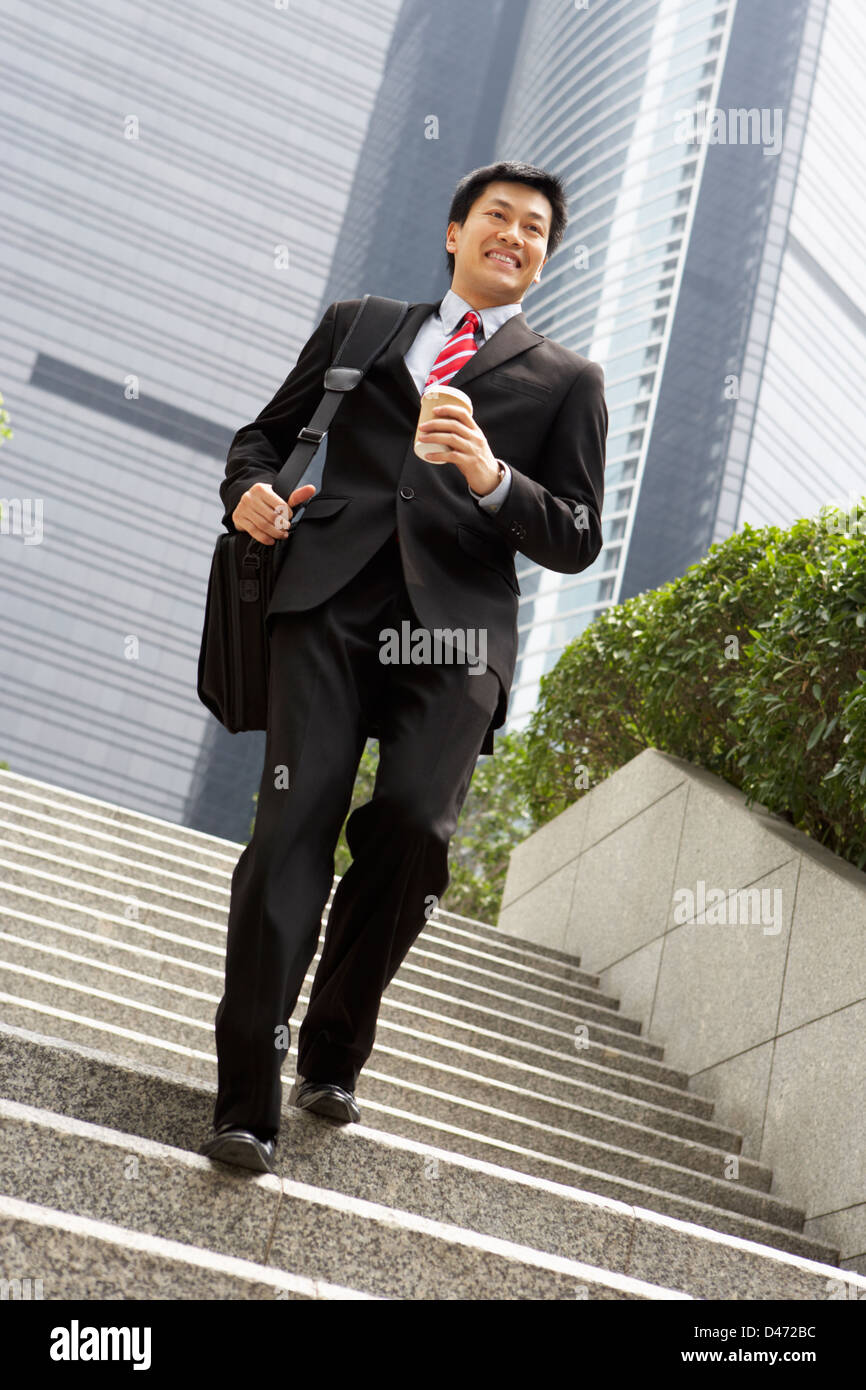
x,y
386,1218
525,1151
175,1253
122,1080
519,1107
726,1138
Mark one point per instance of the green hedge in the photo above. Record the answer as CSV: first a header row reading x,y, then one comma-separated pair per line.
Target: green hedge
x,y
750,665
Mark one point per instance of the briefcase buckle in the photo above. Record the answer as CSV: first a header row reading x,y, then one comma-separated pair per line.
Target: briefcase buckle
x,y
311,436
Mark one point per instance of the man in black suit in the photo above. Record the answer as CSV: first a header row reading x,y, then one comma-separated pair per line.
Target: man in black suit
x,y
393,543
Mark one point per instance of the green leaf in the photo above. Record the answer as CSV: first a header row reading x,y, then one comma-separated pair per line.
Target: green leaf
x,y
816,733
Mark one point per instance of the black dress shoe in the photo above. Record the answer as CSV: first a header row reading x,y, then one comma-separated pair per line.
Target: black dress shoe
x,y
325,1098
233,1144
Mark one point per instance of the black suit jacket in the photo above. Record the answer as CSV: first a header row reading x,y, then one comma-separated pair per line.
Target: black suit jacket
x,y
543,411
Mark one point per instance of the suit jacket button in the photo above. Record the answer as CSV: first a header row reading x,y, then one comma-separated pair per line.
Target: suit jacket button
x,y
407,492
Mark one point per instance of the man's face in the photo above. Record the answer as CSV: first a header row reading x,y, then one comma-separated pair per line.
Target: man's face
x,y
502,245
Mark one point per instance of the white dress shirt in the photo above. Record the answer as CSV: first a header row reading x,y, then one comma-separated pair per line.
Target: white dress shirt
x,y
429,342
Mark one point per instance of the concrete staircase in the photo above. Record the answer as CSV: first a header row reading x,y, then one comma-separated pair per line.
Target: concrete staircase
x,y
497,1157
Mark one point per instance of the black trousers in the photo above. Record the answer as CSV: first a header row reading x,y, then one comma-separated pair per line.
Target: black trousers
x,y
329,691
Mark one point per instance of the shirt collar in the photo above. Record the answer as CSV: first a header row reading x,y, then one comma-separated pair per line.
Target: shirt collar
x,y
452,309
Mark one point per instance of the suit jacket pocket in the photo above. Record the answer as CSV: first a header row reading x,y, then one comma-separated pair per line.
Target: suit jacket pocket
x,y
488,552
320,505
509,381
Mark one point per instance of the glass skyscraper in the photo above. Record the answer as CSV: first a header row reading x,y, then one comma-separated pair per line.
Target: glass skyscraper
x,y
603,118
711,266
801,432
174,182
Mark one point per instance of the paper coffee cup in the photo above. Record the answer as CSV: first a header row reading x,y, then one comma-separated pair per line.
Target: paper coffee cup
x,y
433,396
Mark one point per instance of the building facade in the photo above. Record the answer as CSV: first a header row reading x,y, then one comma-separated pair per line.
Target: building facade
x,y
711,265
174,184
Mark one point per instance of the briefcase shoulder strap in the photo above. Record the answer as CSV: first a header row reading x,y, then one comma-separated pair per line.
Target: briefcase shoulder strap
x,y
376,322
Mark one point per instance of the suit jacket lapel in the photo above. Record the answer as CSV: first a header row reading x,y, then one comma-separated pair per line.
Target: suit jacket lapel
x,y
392,359
513,337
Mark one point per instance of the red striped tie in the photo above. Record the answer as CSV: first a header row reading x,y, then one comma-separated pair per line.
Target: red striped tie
x,y
456,352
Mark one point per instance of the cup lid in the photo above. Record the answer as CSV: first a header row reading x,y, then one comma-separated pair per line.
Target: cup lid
x,y
434,388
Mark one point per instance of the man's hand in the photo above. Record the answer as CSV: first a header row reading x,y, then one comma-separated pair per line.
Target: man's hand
x,y
465,444
263,513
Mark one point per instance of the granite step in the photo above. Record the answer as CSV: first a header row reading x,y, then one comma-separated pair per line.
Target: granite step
x,y
275,1221
27,875
780,1223
138,980
149,975
429,1179
577,1022
435,1011
116,886
141,833
112,936
76,984
135,827
26,835
79,1258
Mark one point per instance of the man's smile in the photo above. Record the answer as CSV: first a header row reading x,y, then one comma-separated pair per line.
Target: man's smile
x,y
505,257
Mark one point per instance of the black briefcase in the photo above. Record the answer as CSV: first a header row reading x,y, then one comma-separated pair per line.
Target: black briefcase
x,y
233,662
